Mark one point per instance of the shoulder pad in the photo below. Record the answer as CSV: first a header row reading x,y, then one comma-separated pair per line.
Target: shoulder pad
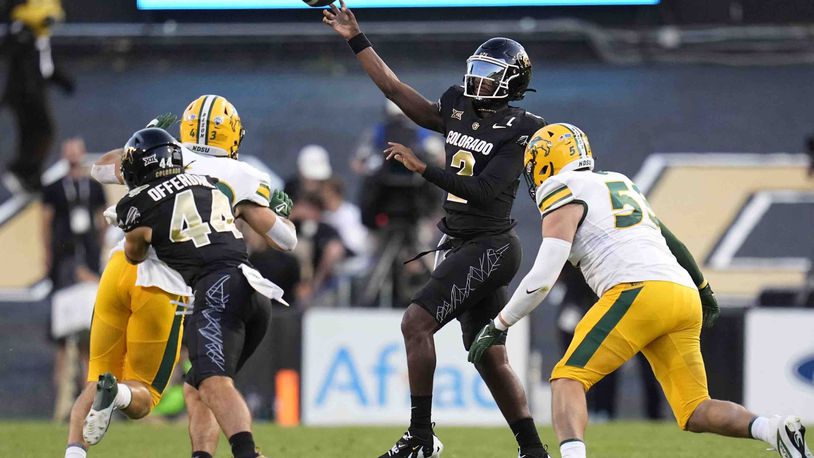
x,y
552,195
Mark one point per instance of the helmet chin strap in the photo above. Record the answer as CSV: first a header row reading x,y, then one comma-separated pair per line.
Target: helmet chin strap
x,y
489,105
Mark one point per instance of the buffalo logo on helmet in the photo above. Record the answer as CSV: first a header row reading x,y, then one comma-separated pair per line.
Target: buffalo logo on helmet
x,y
128,154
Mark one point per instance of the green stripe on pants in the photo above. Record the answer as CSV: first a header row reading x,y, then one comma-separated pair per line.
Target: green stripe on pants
x,y
168,361
603,327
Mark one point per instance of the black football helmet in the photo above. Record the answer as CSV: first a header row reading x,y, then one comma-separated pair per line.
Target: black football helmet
x,y
499,69
150,154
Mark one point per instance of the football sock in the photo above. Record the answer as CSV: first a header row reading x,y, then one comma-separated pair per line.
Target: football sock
x,y
243,445
572,448
420,414
201,455
75,451
760,429
526,434
123,397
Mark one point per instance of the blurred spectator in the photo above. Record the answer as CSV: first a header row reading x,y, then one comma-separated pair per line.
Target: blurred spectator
x,y
31,67
345,217
319,248
399,207
395,127
313,168
280,267
73,221
73,229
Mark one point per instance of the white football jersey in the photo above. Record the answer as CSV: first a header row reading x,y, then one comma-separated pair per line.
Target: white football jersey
x,y
619,239
241,182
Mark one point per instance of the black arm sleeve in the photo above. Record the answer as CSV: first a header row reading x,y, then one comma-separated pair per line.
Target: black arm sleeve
x,y
683,255
499,174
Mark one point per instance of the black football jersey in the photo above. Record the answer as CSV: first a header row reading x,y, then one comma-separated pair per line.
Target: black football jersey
x,y
192,222
484,160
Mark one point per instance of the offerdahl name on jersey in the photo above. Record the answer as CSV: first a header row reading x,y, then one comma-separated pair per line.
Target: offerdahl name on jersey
x,y
177,183
469,143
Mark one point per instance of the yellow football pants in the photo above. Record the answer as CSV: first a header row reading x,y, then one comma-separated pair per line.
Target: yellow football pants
x,y
660,319
136,332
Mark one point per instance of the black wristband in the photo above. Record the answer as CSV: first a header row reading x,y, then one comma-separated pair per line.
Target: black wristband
x,y
359,43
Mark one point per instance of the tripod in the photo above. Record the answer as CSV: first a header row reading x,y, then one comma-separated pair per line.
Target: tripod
x,y
389,281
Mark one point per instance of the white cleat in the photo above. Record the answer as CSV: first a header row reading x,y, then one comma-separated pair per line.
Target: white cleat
x,y
791,438
98,419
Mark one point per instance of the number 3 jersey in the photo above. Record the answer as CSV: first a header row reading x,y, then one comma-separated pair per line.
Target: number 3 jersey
x,y
192,222
619,239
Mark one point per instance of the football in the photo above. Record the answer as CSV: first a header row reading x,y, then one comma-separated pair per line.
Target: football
x,y
318,3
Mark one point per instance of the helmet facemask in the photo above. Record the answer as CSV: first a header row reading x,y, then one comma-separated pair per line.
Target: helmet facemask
x,y
488,78
531,176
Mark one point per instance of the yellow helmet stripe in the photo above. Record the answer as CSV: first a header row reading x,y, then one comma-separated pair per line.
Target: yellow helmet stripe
x,y
203,118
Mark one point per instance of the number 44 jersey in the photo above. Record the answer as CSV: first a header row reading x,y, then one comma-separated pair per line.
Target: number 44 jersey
x,y
192,222
619,238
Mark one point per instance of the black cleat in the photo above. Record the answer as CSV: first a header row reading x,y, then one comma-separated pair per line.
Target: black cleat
x,y
533,453
791,438
410,446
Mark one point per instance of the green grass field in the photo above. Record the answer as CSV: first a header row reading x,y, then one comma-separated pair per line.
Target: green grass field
x,y
614,440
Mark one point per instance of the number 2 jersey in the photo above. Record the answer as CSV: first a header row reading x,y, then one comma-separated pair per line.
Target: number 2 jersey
x,y
484,159
192,223
619,239
238,180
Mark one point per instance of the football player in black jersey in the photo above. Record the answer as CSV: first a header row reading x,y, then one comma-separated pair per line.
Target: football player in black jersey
x,y
189,222
479,252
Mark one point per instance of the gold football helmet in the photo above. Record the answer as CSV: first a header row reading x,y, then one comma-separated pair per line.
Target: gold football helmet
x,y
554,149
210,125
39,15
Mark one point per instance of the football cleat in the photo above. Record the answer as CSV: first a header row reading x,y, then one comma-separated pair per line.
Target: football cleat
x,y
534,453
791,438
98,419
410,446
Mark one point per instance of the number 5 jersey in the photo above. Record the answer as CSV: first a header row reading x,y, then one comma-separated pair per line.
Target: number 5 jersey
x,y
619,238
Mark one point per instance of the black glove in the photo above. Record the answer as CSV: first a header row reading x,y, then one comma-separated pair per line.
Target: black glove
x,y
709,306
487,337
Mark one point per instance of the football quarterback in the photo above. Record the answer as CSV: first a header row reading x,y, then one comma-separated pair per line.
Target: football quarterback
x,y
479,253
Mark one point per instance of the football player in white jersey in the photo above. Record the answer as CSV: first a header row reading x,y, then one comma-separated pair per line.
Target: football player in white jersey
x,y
137,321
653,298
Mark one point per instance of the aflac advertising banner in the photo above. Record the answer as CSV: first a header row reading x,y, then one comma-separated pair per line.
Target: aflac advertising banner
x,y
779,360
355,371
